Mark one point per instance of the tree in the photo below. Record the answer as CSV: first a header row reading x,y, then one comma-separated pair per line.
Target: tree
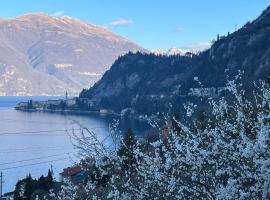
x,y
219,160
29,187
50,179
18,192
127,148
42,183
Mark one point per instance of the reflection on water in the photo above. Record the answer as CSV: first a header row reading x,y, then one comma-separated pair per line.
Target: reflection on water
x,y
34,142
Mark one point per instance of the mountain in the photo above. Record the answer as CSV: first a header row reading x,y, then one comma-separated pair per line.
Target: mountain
x,y
42,55
169,52
194,49
149,83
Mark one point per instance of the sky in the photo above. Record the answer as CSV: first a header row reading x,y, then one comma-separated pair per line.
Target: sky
x,y
153,24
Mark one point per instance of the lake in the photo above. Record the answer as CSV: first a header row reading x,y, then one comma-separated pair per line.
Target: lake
x,y
34,142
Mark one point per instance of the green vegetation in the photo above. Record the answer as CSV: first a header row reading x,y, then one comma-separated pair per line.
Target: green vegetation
x,y
29,188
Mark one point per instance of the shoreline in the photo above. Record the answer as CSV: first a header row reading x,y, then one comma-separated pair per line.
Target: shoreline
x,y
81,112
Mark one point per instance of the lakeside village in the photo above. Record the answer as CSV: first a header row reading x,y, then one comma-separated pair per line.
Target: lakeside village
x,y
79,105
67,105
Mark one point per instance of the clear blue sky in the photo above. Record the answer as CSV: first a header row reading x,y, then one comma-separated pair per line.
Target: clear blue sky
x,y
150,23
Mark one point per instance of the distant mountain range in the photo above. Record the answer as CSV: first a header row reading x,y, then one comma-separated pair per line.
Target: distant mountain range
x,y
169,52
148,83
42,55
194,49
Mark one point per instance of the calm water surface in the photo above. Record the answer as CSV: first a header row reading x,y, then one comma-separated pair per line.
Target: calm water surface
x,y
34,142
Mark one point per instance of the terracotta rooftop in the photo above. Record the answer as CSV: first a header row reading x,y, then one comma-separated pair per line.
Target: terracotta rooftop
x,y
70,171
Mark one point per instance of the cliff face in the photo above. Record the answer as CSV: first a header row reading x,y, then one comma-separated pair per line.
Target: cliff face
x,y
150,83
41,55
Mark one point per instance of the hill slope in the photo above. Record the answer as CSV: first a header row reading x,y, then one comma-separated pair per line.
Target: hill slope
x,y
41,55
149,83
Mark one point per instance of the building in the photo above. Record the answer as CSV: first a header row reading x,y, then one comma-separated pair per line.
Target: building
x,y
206,92
103,111
23,105
75,174
54,102
89,103
71,102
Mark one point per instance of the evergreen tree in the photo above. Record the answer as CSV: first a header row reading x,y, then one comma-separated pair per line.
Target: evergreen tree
x,y
126,151
29,187
50,179
95,176
42,183
17,192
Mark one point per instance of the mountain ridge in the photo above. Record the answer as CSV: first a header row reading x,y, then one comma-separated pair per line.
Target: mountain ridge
x,y
147,83
43,55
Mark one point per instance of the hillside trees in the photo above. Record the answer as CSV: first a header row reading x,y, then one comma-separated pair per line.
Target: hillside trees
x,y
29,188
226,157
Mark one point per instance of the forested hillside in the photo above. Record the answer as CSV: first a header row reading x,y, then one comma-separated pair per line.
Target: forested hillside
x,y
148,83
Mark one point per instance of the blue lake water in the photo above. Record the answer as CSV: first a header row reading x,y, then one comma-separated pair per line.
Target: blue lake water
x,y
34,142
